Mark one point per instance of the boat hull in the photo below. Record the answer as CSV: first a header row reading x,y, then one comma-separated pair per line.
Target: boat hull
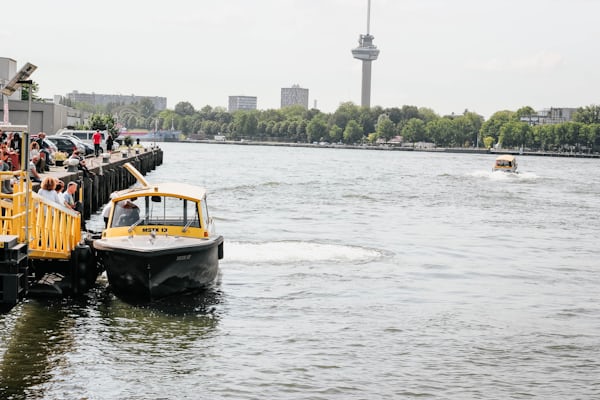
x,y
143,273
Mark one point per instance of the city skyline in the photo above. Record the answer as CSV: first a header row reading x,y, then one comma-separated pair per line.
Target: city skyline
x,y
447,56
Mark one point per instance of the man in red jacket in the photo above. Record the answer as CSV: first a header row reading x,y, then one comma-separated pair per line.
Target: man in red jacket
x,y
97,138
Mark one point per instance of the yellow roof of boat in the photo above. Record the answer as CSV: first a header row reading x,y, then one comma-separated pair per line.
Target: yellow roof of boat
x,y
182,190
506,157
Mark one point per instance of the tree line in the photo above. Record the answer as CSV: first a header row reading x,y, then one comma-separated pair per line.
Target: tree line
x,y
352,124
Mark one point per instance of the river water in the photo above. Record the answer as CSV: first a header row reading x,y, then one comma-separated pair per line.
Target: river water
x,y
348,274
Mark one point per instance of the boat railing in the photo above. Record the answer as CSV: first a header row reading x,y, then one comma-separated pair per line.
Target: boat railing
x,y
50,230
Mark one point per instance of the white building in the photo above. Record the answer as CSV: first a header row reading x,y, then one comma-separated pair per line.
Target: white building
x,y
294,96
242,103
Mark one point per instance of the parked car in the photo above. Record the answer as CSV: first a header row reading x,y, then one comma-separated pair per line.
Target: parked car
x,y
85,136
46,145
67,144
89,149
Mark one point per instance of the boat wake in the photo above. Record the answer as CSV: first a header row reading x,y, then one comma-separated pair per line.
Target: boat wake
x,y
504,176
286,252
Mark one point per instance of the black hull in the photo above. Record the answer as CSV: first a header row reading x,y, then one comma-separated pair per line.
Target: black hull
x,y
144,275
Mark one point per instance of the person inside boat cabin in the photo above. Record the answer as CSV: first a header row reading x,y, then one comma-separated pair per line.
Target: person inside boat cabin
x,y
126,213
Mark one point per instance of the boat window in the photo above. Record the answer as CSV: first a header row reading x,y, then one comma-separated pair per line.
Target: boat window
x,y
126,213
168,211
204,213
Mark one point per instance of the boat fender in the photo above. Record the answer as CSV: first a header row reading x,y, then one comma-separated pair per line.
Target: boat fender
x,y
220,251
83,276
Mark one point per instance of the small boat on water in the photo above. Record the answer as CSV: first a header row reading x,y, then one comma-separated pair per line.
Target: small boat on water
x,y
159,241
506,163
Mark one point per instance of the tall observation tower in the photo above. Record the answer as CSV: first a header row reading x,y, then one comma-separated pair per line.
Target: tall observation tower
x,y
367,52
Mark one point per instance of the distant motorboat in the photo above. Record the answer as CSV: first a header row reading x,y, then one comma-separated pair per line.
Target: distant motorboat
x,y
505,163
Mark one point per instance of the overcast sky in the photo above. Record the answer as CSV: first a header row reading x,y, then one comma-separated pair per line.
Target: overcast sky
x,y
448,55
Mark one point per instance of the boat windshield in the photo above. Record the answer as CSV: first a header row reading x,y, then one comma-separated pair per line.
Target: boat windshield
x,y
157,210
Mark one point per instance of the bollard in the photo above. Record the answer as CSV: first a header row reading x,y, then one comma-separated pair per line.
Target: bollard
x,y
105,157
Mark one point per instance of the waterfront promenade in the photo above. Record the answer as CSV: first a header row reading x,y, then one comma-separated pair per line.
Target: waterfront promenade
x,y
388,147
107,175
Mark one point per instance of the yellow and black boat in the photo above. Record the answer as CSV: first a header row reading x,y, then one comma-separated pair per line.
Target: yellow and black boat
x,y
505,163
159,241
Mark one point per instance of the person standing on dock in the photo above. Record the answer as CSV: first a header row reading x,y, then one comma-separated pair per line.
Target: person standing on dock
x,y
109,142
5,166
97,138
69,197
33,173
47,189
71,203
60,186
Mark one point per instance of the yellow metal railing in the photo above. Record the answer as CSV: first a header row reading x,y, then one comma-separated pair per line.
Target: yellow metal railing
x,y
53,230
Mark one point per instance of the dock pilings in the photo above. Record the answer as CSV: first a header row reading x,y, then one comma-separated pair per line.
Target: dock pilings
x,y
106,177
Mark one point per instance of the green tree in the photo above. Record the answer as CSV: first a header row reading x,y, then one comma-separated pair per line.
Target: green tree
x,y
293,112
35,87
524,112
440,131
245,124
414,130
316,129
301,130
410,112
335,134
146,108
353,132
385,128
344,113
588,115
492,126
427,114
184,108
488,142
516,134
103,122
543,136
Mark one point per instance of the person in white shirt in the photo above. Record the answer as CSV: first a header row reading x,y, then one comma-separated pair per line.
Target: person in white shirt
x,y
47,190
107,208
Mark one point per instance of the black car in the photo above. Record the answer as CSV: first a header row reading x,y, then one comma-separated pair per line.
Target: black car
x,y
67,144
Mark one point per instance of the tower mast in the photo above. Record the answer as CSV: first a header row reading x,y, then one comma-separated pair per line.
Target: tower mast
x,y
366,52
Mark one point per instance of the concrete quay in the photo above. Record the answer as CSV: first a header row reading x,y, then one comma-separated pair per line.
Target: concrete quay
x,y
108,175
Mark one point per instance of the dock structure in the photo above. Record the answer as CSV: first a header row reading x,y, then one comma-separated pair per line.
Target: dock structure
x,y
43,250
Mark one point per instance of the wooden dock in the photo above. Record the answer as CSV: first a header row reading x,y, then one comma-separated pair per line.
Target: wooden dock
x,y
42,249
108,175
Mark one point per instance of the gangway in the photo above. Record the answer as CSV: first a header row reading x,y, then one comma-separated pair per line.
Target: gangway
x,y
41,246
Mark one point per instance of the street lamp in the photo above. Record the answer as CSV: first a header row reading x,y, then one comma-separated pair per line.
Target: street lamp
x,y
22,77
25,146
8,89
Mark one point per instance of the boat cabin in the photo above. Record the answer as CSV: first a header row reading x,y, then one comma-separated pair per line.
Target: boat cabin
x,y
167,209
506,162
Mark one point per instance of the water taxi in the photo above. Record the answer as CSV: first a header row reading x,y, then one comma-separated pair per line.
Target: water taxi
x,y
159,241
506,163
